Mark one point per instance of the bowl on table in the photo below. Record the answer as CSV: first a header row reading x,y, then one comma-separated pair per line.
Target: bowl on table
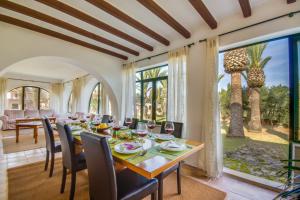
x,y
140,133
102,130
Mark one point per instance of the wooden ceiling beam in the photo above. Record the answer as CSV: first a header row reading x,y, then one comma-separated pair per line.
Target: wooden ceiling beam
x,y
51,20
110,9
204,13
246,8
291,1
33,27
58,5
163,15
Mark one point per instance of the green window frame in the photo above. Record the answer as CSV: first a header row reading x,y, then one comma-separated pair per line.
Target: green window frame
x,y
142,81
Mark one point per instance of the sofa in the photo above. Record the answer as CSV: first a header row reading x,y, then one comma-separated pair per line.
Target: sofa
x,y
10,116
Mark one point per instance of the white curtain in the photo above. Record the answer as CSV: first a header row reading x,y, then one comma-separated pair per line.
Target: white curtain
x,y
105,101
77,87
3,82
56,99
213,156
177,99
128,90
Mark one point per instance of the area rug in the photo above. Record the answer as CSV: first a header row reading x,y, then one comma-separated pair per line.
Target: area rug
x,y
31,182
26,140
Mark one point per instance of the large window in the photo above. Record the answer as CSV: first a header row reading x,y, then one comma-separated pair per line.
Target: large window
x,y
152,93
95,100
28,97
254,97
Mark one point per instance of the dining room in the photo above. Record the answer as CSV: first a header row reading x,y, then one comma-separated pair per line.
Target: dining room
x,y
110,99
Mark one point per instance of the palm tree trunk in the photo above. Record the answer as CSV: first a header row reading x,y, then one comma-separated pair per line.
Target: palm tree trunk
x,y
254,100
236,110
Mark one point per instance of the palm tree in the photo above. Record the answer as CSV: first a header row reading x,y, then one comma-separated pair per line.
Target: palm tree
x,y
255,80
235,62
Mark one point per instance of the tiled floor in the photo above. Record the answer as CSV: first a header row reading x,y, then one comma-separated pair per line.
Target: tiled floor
x,y
236,189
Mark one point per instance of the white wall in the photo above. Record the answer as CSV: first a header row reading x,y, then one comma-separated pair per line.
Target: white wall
x,y
18,44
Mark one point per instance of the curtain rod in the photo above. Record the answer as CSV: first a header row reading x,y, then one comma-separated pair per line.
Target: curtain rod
x,y
17,79
291,14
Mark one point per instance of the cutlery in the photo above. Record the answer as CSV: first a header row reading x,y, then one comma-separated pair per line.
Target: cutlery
x,y
142,153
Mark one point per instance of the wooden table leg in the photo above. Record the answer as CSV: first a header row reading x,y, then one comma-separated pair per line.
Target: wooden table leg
x,y
35,133
17,133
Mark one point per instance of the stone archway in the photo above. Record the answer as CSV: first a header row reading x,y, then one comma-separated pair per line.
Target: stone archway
x,y
55,60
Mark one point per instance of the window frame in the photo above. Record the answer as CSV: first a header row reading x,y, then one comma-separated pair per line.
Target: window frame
x,y
23,95
99,98
154,89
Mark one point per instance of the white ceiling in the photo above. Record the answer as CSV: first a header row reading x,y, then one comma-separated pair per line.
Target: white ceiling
x,y
54,68
181,10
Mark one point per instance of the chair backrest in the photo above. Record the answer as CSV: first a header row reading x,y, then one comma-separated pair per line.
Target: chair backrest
x,y
102,177
48,134
177,126
134,123
105,119
67,145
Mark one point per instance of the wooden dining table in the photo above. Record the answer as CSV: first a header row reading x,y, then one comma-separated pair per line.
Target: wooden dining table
x,y
155,161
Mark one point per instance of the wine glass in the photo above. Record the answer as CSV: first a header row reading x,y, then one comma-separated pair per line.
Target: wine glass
x,y
169,127
128,121
141,129
151,125
116,127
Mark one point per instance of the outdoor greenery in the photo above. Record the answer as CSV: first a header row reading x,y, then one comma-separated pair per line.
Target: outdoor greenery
x,y
155,83
274,105
254,117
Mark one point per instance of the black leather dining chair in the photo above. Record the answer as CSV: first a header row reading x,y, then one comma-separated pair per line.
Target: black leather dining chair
x,y
105,119
104,183
134,123
52,147
71,161
178,126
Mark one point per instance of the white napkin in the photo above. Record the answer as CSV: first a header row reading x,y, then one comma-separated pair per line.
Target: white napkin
x,y
172,144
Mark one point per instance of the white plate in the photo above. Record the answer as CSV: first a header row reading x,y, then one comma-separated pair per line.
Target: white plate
x,y
75,128
120,148
165,137
172,146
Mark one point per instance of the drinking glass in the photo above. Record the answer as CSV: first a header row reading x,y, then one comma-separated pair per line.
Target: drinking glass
x,y
116,127
151,125
141,129
128,121
169,127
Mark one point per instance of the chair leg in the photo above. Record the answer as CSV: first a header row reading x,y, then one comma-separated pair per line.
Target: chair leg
x,y
52,164
160,187
63,181
179,179
73,183
154,196
47,160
